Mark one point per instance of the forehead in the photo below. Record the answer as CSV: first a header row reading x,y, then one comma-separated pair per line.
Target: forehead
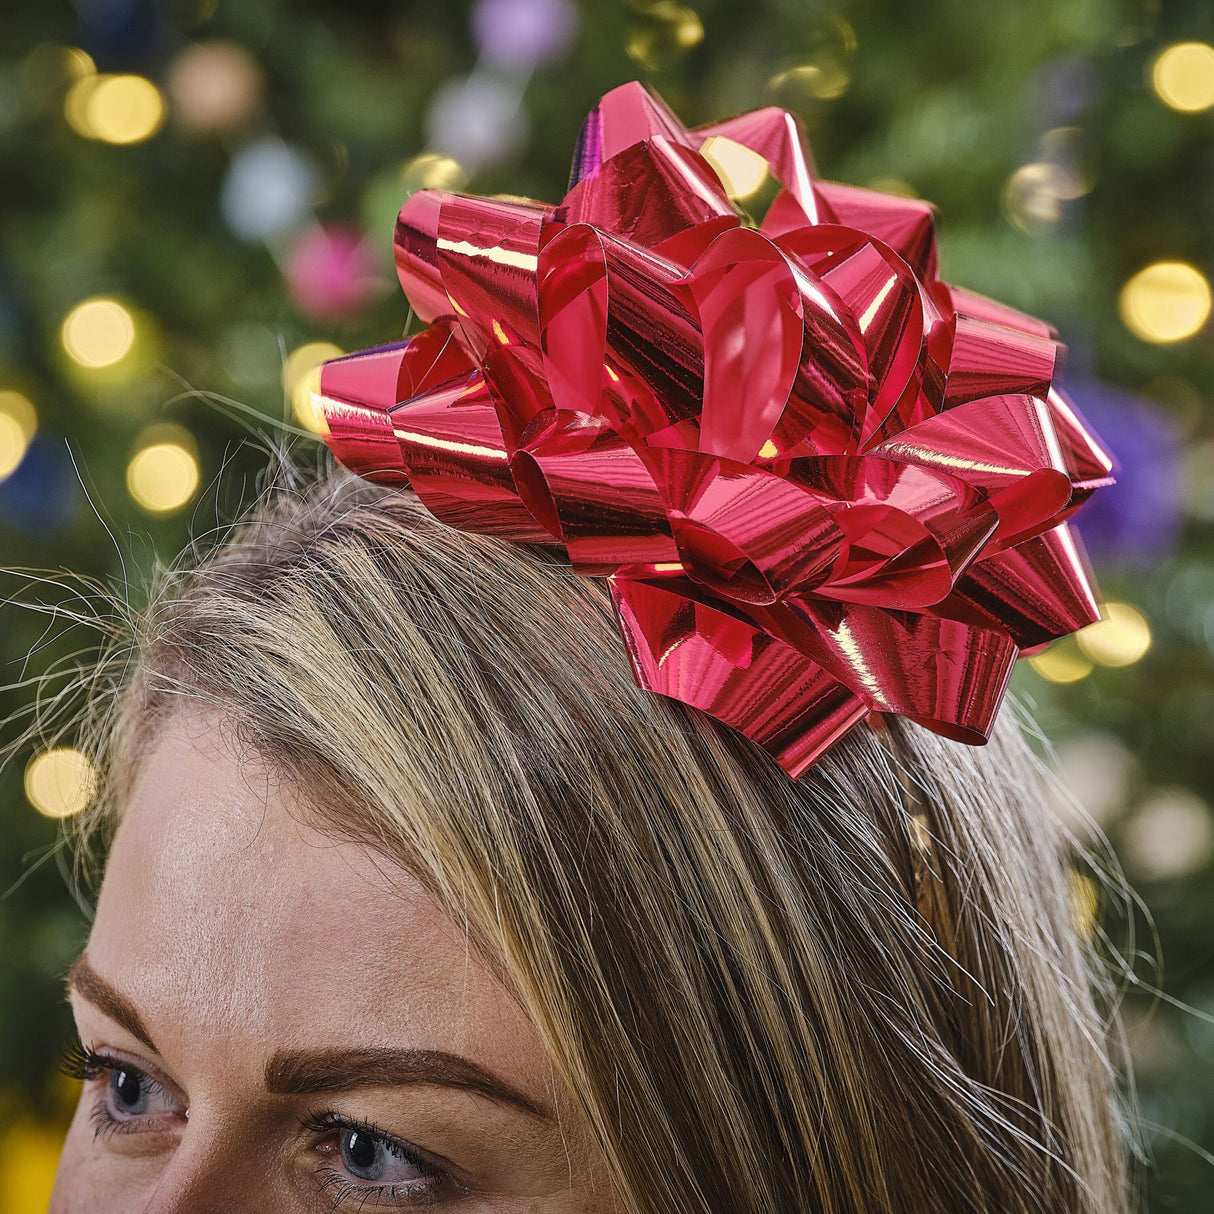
x,y
228,919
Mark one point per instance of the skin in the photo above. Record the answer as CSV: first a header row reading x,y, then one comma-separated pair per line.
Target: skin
x,y
258,956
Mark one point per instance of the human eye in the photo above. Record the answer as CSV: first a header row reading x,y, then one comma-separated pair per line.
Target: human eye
x,y
128,1099
364,1164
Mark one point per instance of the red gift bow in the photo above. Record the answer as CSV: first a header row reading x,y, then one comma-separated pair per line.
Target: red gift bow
x,y
819,481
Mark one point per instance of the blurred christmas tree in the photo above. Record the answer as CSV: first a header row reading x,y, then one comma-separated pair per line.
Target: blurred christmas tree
x,y
198,209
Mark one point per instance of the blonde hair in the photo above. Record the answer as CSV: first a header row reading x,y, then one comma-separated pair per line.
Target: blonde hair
x,y
860,992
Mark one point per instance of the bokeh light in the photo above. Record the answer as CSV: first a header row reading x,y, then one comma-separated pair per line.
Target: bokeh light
x,y
1183,76
1062,662
331,272
163,475
665,32
1064,148
432,171
49,70
18,423
1170,835
742,172
386,192
519,35
301,377
824,73
1035,192
1164,302
60,782
79,62
53,63
1136,526
117,109
214,86
1122,638
1099,771
1032,200
75,104
823,81
478,119
98,332
1084,898
268,189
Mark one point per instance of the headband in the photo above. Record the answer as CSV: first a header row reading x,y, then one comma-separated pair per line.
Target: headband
x,y
819,481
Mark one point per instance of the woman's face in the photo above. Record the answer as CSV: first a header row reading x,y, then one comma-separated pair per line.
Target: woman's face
x,y
275,1021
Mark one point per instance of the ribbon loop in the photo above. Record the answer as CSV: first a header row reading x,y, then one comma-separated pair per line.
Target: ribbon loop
x,y
594,493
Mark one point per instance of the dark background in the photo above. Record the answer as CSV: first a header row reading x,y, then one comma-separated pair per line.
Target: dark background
x,y
254,218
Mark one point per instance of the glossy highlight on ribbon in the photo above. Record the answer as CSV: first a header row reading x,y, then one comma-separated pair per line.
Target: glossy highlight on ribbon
x,y
819,481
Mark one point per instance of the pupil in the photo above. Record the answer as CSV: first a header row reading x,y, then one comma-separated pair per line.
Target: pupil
x,y
360,1154
127,1088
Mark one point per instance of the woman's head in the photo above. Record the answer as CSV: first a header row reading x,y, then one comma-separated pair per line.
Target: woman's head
x,y
388,789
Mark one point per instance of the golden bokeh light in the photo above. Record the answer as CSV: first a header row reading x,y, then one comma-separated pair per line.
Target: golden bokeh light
x,y
432,171
60,782
114,108
1084,899
1031,198
742,172
79,62
164,472
98,332
825,80
1122,638
1064,148
301,377
1183,76
13,445
1062,663
665,32
18,423
823,73
49,70
1165,302
76,104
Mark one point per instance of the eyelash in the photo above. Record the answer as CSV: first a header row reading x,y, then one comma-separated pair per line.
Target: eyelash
x,y
437,1180
77,1061
80,1062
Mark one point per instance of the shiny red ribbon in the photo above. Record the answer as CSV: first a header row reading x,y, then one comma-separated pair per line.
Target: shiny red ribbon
x,y
819,481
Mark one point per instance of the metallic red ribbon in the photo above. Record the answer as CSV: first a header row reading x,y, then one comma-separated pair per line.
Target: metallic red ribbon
x,y
820,481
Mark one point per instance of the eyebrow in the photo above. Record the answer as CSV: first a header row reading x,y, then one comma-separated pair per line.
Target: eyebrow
x,y
300,1072
313,1072
85,981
